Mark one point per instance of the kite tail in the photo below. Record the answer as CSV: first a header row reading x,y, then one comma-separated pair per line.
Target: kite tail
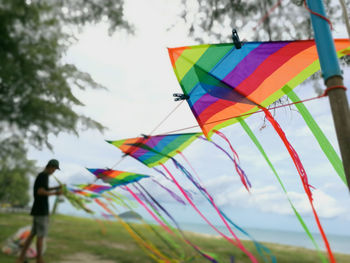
x,y
189,164
303,176
165,239
122,200
143,197
235,160
322,140
147,246
149,211
175,196
235,155
170,243
259,247
241,173
238,244
212,202
206,255
162,173
301,221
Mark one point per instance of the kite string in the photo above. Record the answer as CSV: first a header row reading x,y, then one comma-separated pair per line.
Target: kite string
x,y
267,14
166,117
243,115
121,159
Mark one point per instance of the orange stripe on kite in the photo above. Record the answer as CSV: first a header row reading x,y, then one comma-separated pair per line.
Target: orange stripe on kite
x,y
175,53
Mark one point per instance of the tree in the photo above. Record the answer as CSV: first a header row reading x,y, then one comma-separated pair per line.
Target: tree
x,y
36,85
14,173
212,20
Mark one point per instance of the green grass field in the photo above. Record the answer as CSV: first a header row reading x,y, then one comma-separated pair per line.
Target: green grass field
x,y
84,240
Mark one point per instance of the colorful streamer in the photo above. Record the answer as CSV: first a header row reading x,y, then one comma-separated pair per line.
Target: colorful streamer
x,y
322,140
260,148
238,244
303,177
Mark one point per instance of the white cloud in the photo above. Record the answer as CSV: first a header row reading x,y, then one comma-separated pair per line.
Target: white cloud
x,y
272,199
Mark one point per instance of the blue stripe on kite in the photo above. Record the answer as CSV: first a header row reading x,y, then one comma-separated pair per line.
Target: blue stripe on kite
x,y
159,147
223,68
229,62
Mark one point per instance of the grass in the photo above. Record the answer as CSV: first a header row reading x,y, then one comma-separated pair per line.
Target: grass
x,y
110,241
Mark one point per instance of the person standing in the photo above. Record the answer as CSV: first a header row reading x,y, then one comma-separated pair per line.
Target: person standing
x,y
40,210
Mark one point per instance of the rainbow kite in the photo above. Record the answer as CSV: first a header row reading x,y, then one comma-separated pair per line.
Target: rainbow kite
x,y
117,178
222,82
223,85
84,193
167,145
94,188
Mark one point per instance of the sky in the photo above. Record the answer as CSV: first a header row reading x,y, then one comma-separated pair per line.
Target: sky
x,y
138,75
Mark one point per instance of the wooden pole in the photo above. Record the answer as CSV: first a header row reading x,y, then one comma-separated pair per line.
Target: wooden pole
x,y
341,117
332,75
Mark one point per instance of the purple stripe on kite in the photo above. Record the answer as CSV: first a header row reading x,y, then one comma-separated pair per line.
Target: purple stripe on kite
x,y
151,143
203,103
253,60
97,172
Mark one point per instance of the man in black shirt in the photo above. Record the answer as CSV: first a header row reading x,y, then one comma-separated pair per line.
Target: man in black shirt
x,y
40,210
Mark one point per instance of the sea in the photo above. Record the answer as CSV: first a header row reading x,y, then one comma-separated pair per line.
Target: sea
x,y
339,243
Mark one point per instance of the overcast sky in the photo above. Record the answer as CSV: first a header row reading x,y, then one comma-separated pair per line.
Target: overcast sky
x,y
140,81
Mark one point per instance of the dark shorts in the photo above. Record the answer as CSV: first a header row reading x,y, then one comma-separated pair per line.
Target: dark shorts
x,y
40,226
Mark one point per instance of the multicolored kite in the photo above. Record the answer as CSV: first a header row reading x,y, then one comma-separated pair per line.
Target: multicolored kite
x,y
96,188
165,146
117,178
223,82
223,85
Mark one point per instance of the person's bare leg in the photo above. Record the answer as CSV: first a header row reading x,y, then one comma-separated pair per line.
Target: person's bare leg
x,y
25,248
39,249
